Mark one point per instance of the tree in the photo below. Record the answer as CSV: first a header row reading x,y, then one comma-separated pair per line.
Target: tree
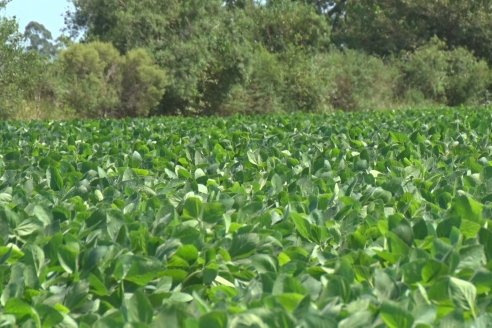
x,y
178,33
99,82
143,84
452,77
40,40
92,79
386,27
283,24
14,67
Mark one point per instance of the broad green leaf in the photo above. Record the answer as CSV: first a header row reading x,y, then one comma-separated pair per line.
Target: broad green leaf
x,y
396,317
20,310
111,319
464,294
302,226
28,227
243,245
485,237
97,286
212,212
49,316
213,320
192,208
254,157
468,208
188,253
10,254
178,297
277,184
138,308
290,300
5,199
55,178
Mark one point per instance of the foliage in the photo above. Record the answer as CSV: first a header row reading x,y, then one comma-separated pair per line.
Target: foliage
x,y
93,79
284,24
101,83
40,39
308,84
358,81
179,34
392,26
452,77
347,219
149,57
143,84
19,70
262,87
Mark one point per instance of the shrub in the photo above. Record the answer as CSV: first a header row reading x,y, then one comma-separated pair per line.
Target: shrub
x,y
262,87
99,82
93,78
284,24
307,84
357,80
143,84
452,77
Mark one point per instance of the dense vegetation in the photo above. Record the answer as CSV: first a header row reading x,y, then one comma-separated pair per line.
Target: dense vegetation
x,y
148,57
302,220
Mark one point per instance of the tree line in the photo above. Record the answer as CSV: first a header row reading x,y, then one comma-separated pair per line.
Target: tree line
x,y
121,58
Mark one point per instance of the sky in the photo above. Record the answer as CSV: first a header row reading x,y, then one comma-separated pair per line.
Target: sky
x,y
50,13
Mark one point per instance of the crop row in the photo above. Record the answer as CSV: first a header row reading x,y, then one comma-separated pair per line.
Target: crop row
x,y
356,220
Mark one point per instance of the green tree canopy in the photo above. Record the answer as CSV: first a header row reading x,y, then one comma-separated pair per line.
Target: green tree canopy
x,y
99,82
389,26
40,39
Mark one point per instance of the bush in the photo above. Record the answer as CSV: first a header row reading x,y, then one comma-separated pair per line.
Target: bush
x,y
92,78
307,84
99,82
283,24
261,88
358,81
452,77
143,84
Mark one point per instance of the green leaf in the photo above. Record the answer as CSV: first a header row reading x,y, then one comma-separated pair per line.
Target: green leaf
x,y
192,208
49,316
303,227
97,286
188,253
28,227
469,229
137,269
277,184
468,208
138,308
254,157
136,159
395,317
464,294
111,319
7,320
5,199
243,245
20,310
482,280
67,258
213,320
179,297
290,300
55,178
433,270
212,212
10,254
485,238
